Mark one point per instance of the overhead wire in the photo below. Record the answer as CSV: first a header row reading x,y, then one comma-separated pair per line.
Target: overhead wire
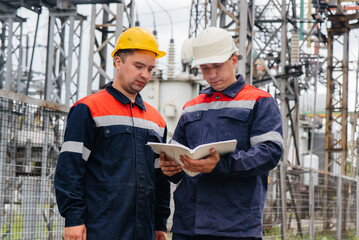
x,y
169,10
137,23
154,18
169,16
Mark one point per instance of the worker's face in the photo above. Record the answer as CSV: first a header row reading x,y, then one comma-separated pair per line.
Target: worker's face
x,y
220,75
135,72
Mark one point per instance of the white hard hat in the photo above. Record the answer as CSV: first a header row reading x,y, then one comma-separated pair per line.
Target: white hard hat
x,y
212,45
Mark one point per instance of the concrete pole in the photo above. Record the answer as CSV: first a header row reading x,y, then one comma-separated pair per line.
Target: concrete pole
x,y
213,13
243,16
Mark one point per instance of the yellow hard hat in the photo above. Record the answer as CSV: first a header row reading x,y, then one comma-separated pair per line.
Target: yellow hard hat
x,y
138,38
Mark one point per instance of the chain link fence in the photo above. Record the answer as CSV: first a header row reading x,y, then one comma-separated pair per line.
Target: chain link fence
x,y
31,136
312,204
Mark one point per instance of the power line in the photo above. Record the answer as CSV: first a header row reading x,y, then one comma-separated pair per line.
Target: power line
x,y
154,18
169,16
169,10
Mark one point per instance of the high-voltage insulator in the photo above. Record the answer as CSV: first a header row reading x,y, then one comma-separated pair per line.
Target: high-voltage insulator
x,y
295,49
171,60
186,54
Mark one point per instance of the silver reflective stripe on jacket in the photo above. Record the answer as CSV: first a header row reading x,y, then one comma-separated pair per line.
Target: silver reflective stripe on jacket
x,y
76,147
111,120
219,105
157,163
269,136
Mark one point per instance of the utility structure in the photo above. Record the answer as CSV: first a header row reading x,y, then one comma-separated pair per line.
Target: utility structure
x,y
336,145
63,48
336,127
11,49
63,55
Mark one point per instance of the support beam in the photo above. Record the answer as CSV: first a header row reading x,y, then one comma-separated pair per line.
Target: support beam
x,y
242,12
11,52
63,56
285,122
337,103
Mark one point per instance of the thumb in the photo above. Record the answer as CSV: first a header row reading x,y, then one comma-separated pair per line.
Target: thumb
x,y
214,154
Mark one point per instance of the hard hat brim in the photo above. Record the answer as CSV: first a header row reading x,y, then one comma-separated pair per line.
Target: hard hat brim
x,y
213,59
158,53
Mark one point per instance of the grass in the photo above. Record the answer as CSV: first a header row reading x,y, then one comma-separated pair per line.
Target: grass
x,y
16,231
274,233
16,228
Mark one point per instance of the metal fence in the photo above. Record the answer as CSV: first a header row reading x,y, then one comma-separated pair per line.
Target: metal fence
x,y
312,204
31,135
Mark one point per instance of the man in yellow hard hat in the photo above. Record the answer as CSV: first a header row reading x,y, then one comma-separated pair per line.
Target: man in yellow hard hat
x,y
108,182
226,199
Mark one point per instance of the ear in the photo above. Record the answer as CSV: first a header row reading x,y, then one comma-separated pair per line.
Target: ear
x,y
234,60
117,62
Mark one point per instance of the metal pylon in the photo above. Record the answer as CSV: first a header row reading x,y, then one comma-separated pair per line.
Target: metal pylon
x,y
200,16
337,100
63,56
355,139
336,126
11,51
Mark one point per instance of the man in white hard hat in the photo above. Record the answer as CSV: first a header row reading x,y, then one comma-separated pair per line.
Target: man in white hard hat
x,y
226,200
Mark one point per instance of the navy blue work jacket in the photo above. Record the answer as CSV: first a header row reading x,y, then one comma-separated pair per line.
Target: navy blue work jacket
x,y
229,201
106,176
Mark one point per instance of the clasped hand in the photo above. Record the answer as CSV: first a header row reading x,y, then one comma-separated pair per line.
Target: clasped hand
x,y
205,165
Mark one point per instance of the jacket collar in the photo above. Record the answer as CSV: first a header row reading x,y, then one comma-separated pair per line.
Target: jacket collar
x,y
119,96
230,91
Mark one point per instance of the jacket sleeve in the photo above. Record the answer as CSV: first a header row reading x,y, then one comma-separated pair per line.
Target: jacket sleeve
x,y
163,195
70,169
266,140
